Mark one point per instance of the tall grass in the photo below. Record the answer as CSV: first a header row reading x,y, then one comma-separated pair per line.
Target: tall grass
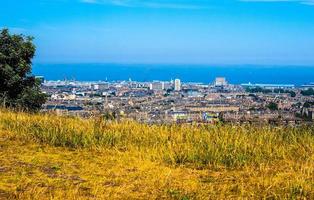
x,y
106,159
195,146
229,146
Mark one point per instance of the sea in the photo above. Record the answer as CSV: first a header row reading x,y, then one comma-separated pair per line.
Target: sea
x,y
235,74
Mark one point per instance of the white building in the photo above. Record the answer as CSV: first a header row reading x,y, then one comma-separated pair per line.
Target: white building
x,y
220,81
177,85
101,86
157,85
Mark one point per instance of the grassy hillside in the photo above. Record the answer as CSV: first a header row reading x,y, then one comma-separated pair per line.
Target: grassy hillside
x,y
51,157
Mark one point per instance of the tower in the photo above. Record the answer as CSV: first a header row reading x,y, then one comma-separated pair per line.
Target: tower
x,y
177,85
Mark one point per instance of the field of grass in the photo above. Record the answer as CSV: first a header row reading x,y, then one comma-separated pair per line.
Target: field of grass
x,y
51,157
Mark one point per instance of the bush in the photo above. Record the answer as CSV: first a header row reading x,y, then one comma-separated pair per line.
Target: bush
x,y
272,106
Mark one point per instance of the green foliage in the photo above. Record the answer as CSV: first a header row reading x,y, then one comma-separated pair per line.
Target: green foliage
x,y
18,88
257,90
308,92
293,94
110,115
267,91
308,104
272,106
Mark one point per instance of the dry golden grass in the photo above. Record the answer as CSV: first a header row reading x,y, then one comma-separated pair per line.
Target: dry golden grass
x,y
50,157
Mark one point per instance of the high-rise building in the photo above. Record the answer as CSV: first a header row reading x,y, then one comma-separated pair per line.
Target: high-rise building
x,y
177,85
157,85
220,81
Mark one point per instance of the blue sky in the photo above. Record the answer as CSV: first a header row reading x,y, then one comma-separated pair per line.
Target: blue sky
x,y
166,31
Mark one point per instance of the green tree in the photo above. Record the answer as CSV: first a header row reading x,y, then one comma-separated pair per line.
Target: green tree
x,y
308,92
308,104
292,94
18,87
272,106
257,90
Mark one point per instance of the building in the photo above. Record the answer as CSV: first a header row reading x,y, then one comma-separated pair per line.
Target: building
x,y
63,96
177,85
269,86
157,86
194,94
179,116
308,113
220,81
168,85
213,109
211,118
101,86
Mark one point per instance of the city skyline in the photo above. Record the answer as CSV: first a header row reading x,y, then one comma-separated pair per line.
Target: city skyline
x,y
169,31
297,75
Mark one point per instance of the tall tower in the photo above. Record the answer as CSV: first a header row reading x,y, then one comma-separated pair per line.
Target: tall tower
x,y
177,85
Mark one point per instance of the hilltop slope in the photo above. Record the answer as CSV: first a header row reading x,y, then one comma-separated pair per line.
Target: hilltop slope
x,y
51,157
